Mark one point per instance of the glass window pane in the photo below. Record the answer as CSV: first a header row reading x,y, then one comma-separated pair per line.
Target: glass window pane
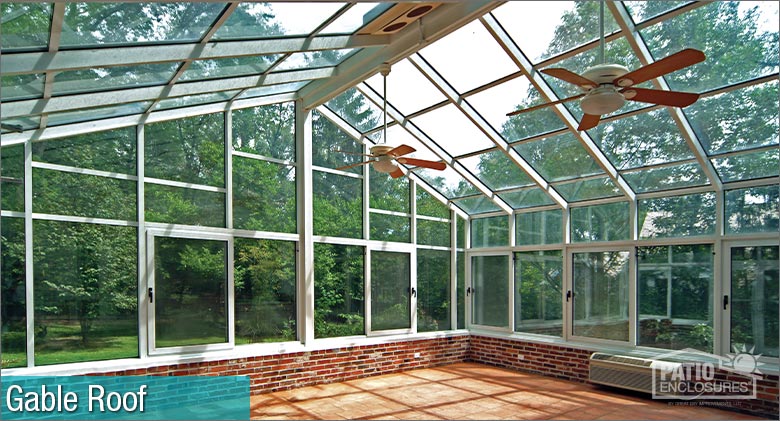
x,y
228,67
264,290
428,205
666,178
390,290
93,24
641,11
433,290
644,139
490,232
550,21
316,59
338,290
109,78
461,289
92,196
559,157
86,274
355,18
748,166
178,205
745,27
538,296
497,171
267,90
25,26
449,128
737,120
544,227
190,150
607,222
264,20
333,148
593,188
338,205
268,130
477,205
388,193
754,209
490,290
476,44
433,233
112,151
12,181
263,196
190,100
98,113
448,182
390,228
357,110
601,295
674,296
678,216
407,89
494,103
18,87
526,198
754,300
20,123
190,281
12,287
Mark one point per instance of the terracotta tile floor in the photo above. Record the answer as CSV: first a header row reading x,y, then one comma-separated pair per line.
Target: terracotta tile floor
x,y
469,391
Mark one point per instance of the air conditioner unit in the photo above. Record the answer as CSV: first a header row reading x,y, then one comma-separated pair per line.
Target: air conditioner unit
x,y
627,372
397,18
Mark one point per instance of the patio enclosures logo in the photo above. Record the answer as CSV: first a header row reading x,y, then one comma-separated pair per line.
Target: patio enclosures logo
x,y
690,374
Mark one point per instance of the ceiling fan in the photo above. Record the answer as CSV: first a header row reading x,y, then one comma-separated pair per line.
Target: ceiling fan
x,y
385,158
606,87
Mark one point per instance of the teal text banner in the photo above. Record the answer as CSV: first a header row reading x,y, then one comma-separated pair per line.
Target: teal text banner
x,y
125,398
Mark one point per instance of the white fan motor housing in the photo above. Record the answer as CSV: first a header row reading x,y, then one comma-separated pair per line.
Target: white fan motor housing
x,y
605,73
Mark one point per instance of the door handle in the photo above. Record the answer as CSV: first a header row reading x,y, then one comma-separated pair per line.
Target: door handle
x,y
470,291
725,301
569,295
151,295
413,292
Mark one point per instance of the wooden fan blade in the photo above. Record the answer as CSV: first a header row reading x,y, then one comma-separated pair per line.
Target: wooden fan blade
x,y
397,173
588,122
571,77
536,107
401,150
654,96
676,61
346,167
434,165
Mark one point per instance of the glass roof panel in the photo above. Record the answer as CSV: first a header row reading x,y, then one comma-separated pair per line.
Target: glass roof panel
x,y
559,157
641,11
448,182
641,140
265,20
355,18
466,69
593,188
397,135
451,130
25,26
477,205
356,110
666,178
189,100
97,113
497,171
21,123
526,198
741,119
748,166
228,67
407,89
548,21
17,87
108,78
273,89
741,44
315,59
94,24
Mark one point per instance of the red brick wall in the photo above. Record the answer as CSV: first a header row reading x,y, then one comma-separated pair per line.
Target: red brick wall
x,y
271,373
572,364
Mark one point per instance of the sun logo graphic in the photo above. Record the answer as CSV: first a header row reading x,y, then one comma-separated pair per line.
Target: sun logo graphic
x,y
690,374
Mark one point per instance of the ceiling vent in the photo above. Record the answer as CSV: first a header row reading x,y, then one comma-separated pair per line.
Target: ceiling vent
x,y
397,18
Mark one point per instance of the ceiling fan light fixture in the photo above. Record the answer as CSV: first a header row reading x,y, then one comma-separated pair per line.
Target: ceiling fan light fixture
x,y
602,100
385,164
